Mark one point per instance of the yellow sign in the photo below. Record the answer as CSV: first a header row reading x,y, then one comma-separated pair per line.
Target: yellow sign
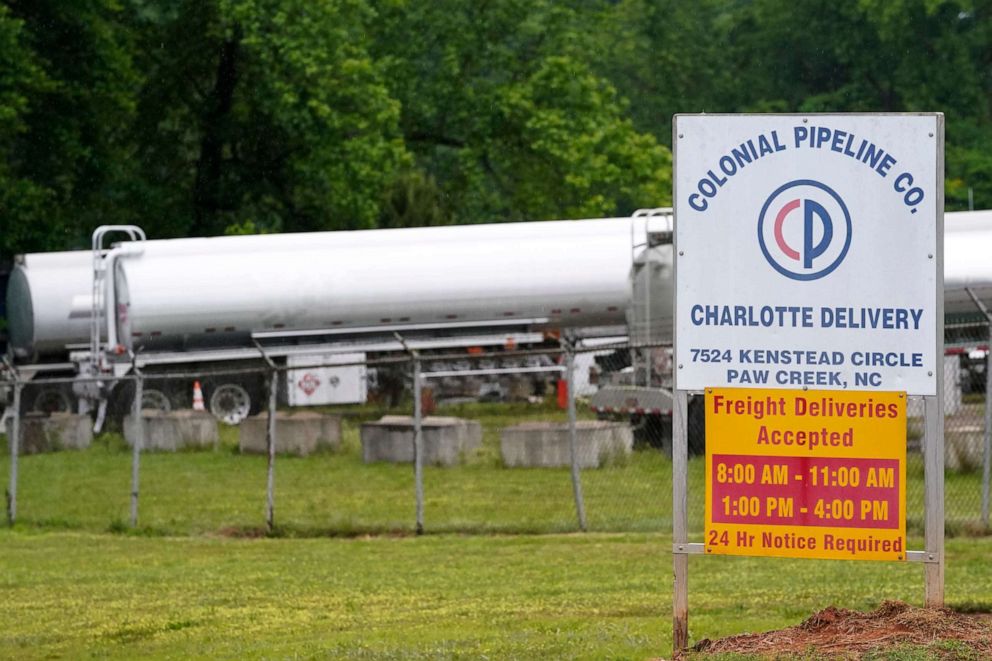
x,y
807,474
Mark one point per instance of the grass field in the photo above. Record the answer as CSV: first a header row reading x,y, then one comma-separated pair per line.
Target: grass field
x,y
597,596
344,578
335,493
192,493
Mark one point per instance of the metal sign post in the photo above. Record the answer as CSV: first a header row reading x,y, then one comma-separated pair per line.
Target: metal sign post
x,y
680,521
933,502
809,257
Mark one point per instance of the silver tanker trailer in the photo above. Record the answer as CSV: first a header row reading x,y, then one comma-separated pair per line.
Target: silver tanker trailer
x,y
196,304
208,302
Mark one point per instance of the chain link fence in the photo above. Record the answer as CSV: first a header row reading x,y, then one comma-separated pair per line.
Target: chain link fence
x,y
967,425
556,439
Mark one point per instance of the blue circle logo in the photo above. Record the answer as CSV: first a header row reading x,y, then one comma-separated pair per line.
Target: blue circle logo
x,y
804,230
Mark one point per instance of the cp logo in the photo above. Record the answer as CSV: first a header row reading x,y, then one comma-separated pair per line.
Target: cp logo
x,y
804,230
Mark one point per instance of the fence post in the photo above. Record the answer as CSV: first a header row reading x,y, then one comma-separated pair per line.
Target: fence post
x,y
580,508
139,442
270,439
418,446
987,458
987,452
15,439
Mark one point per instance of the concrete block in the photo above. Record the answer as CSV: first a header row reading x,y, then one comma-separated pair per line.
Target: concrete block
x,y
51,433
174,430
546,444
519,389
964,448
446,440
297,432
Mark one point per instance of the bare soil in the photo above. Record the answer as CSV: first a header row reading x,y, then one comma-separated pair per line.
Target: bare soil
x,y
844,634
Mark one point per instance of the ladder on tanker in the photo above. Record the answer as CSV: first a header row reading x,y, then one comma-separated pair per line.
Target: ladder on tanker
x,y
99,315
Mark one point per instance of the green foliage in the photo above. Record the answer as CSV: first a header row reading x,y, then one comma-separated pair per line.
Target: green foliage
x,y
818,56
243,228
500,104
319,102
200,117
66,98
286,122
566,123
414,200
667,57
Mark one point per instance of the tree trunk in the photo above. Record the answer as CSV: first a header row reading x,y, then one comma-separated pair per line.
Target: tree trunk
x,y
209,196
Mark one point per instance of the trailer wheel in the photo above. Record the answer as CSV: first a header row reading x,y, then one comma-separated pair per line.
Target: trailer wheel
x,y
52,400
656,432
155,400
230,403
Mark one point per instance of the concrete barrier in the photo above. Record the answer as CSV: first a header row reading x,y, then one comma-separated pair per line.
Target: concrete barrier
x,y
51,433
169,431
297,432
445,440
546,444
964,448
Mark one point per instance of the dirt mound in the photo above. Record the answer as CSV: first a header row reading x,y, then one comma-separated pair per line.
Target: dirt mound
x,y
840,633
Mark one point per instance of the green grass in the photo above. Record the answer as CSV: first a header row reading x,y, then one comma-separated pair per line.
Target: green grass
x,y
596,596
343,577
336,494
194,493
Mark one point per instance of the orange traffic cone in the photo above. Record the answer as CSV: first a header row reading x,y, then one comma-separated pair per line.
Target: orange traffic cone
x,y
198,397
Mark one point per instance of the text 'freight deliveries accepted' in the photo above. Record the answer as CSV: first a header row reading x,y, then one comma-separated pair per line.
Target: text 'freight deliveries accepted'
x,y
806,474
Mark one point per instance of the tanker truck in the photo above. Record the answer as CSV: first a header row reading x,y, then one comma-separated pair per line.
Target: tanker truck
x,y
238,302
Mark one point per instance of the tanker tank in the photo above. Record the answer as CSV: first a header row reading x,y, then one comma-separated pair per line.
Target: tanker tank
x,y
573,273
967,266
967,221
49,298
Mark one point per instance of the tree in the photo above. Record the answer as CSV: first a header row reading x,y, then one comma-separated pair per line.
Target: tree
x,y
880,55
667,57
501,108
286,123
815,56
66,102
20,79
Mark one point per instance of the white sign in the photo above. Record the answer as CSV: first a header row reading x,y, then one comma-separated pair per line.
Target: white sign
x,y
807,251
310,386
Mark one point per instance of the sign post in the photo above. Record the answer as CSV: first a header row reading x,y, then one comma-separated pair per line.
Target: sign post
x,y
808,307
